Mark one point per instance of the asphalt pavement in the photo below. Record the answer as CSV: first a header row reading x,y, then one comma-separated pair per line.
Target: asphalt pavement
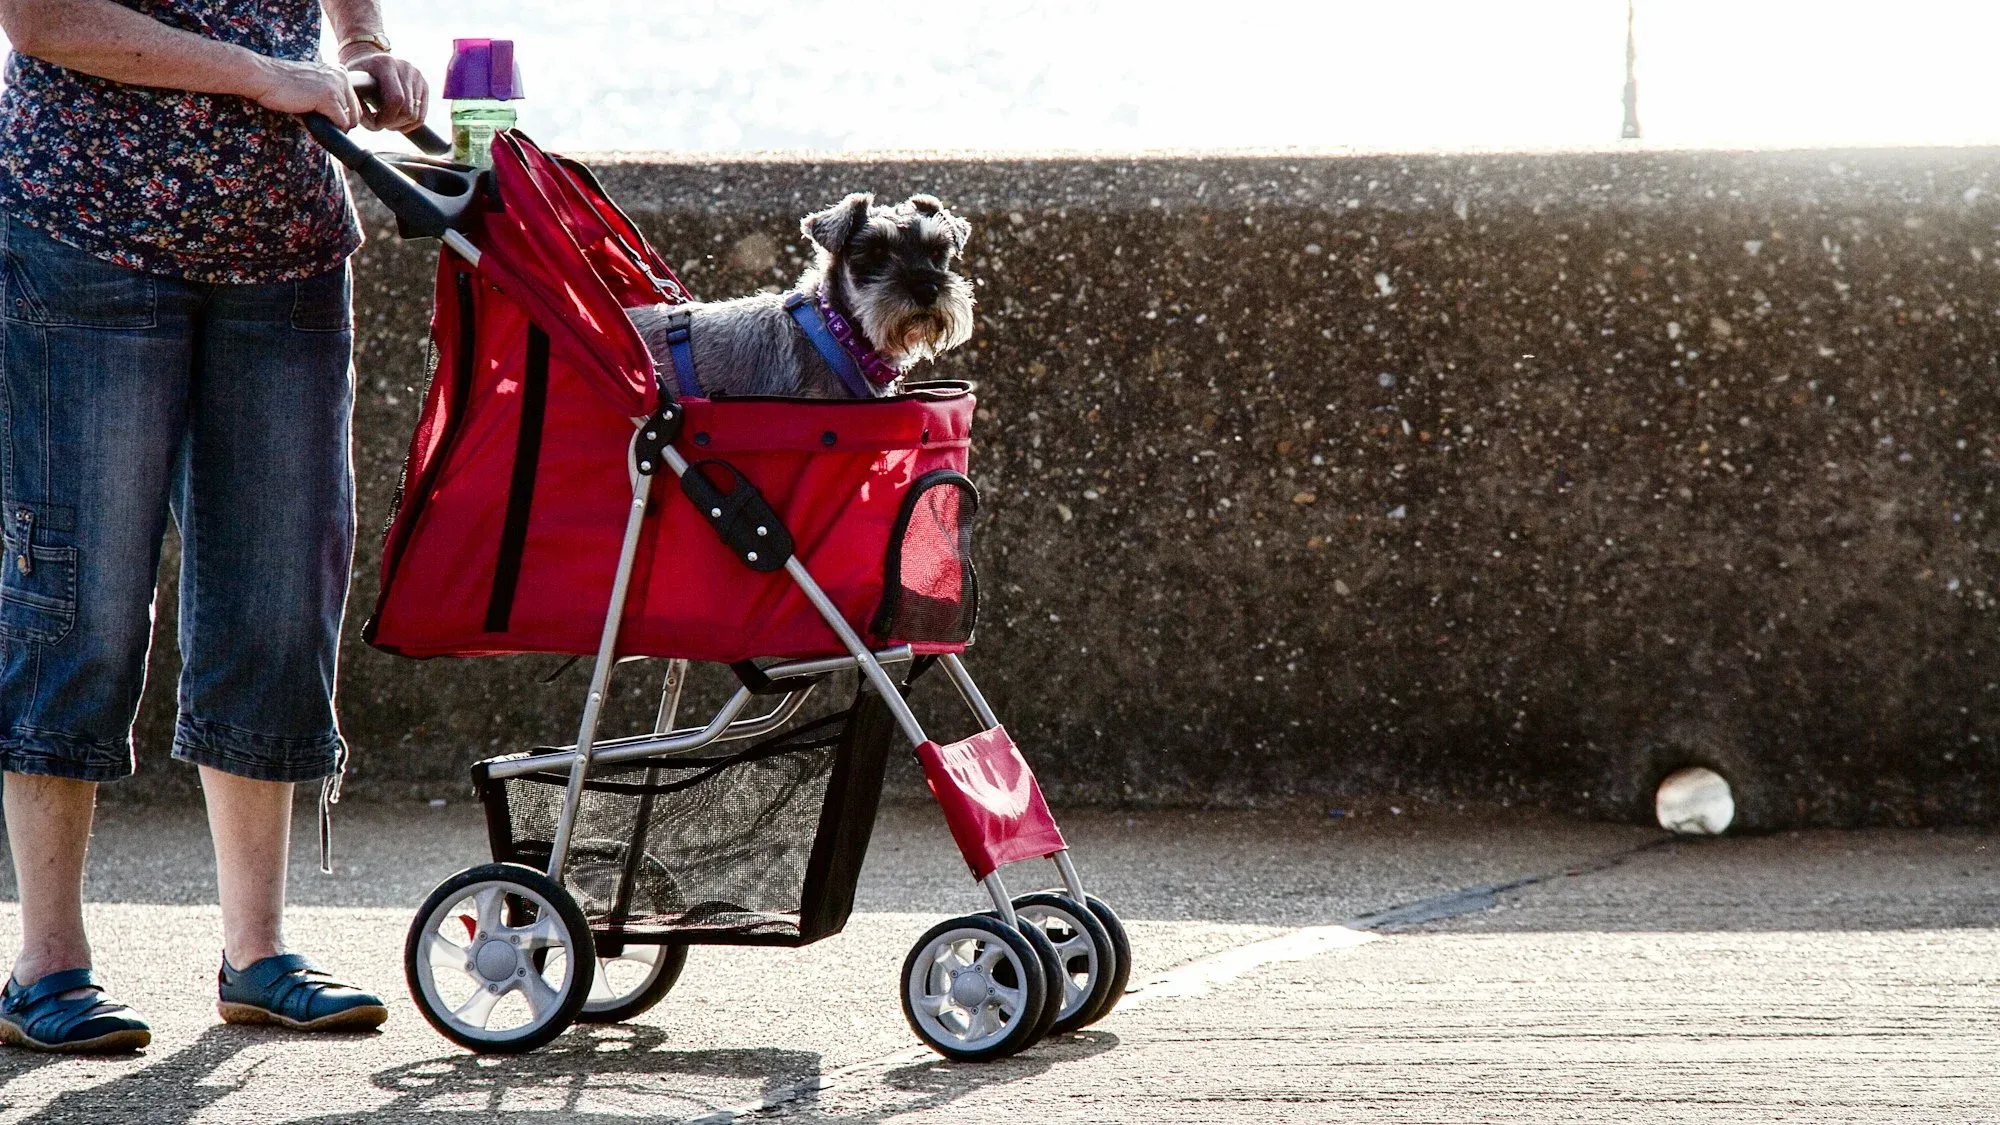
x,y
1443,964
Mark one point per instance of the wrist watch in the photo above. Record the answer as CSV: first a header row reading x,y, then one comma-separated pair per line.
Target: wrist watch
x,y
374,39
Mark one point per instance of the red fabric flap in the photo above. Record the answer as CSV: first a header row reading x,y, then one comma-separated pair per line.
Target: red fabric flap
x,y
990,800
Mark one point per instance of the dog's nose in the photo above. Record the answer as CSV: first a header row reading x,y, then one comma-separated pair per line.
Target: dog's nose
x,y
924,291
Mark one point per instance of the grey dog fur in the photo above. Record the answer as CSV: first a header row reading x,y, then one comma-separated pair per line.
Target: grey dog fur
x,y
750,345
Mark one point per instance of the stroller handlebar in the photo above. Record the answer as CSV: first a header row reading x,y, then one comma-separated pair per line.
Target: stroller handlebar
x,y
426,195
421,135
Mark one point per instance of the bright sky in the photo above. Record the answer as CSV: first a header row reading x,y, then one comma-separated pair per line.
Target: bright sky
x,y
1387,74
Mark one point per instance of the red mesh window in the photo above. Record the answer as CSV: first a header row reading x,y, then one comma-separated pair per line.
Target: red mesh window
x,y
932,594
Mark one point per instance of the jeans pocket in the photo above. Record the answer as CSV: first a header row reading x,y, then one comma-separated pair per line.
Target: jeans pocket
x,y
37,591
324,302
53,284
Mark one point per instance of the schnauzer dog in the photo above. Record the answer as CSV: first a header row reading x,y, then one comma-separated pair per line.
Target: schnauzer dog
x,y
881,285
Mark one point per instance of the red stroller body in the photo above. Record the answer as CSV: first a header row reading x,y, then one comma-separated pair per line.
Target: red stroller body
x,y
830,537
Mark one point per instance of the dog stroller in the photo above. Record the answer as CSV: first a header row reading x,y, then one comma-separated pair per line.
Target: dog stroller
x,y
803,540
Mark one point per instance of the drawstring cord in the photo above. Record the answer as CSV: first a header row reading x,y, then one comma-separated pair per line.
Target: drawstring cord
x,y
329,796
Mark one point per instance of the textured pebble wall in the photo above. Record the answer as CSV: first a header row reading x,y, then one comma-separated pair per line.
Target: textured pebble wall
x,y
1517,477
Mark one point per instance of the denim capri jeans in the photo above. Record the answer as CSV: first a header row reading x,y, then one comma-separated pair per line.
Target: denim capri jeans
x,y
128,397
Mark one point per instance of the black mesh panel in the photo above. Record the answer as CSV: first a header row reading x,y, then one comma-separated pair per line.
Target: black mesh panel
x,y
746,846
931,593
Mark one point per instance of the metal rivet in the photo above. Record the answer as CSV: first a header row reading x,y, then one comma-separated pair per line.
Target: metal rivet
x,y
652,435
752,556
715,513
761,530
645,466
513,939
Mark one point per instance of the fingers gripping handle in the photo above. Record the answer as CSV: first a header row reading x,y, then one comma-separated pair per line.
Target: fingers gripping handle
x,y
426,196
423,136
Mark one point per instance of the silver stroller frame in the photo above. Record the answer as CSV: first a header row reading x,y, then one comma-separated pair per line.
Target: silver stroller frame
x,y
1010,953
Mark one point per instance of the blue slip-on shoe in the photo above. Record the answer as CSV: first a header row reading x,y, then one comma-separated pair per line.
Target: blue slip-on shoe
x,y
37,1016
291,991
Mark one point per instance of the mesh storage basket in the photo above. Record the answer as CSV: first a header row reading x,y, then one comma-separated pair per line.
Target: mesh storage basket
x,y
761,845
930,593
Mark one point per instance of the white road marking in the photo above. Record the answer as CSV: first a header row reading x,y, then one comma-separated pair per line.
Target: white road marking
x,y
1200,976
1196,978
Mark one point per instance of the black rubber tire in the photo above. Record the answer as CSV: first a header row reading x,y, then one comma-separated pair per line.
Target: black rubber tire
x,y
1099,938
576,985
673,959
1045,951
1121,948
1035,988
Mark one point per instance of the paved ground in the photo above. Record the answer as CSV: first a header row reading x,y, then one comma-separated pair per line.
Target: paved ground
x,y
1293,968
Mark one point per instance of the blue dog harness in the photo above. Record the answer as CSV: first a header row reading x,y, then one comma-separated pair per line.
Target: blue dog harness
x,y
805,313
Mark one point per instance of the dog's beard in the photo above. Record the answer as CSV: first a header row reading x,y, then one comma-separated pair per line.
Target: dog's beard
x,y
905,332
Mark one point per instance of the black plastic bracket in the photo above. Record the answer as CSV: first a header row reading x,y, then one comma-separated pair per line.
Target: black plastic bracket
x,y
649,449
745,521
754,678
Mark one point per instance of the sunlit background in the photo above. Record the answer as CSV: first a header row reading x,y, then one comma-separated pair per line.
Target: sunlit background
x,y
1332,74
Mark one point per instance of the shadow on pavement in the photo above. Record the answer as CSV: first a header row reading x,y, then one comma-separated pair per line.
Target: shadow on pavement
x,y
171,1088
1828,881
587,1077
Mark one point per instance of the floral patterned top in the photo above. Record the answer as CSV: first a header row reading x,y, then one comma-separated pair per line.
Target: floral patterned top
x,y
204,187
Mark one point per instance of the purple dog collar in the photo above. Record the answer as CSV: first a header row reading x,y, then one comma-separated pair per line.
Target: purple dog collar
x,y
876,369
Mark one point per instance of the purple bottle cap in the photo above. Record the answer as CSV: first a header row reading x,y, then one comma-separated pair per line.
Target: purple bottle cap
x,y
482,68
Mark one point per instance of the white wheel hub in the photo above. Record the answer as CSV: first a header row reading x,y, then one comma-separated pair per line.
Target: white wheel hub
x,y
480,974
497,960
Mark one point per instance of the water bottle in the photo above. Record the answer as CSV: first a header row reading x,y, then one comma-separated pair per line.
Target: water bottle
x,y
481,81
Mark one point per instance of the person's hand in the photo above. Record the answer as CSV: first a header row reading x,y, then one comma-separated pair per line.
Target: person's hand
x,y
405,95
304,87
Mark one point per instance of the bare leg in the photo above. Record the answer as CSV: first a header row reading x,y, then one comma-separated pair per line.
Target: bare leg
x,y
48,828
251,823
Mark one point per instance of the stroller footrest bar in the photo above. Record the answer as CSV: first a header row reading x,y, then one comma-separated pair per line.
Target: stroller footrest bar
x,y
990,800
745,521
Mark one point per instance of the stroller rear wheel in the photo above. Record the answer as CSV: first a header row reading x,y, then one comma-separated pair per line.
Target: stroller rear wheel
x,y
1087,962
499,959
632,980
974,989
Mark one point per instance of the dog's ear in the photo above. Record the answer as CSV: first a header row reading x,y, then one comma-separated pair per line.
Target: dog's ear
x,y
929,205
830,229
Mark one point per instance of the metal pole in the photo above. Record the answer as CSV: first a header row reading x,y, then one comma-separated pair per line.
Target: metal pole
x,y
1630,131
635,852
600,675
969,691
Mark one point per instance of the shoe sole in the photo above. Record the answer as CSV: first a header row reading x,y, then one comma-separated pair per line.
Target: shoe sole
x,y
117,1042
367,1017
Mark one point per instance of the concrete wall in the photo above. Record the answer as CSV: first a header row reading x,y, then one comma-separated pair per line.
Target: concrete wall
x,y
1516,477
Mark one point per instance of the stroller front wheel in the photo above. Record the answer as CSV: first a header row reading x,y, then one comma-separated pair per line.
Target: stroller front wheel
x,y
499,959
1086,958
974,989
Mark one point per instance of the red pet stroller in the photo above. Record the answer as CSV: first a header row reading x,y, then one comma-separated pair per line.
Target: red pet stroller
x,y
829,537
